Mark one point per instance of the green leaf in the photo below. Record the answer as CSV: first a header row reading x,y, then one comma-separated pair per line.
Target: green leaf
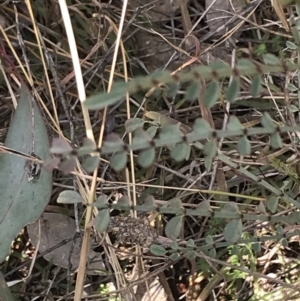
x,y
234,124
272,204
149,201
210,148
23,197
174,246
174,226
5,293
101,201
255,87
203,207
294,109
180,152
233,90
257,247
172,90
118,161
244,146
243,63
233,231
212,94
102,220
174,203
201,126
208,163
151,131
190,243
68,165
158,250
170,131
60,146
292,87
146,157
271,59
102,100
191,255
276,141
193,91
291,45
133,124
230,207
90,163
174,256
88,147
69,197
209,240
284,242
212,253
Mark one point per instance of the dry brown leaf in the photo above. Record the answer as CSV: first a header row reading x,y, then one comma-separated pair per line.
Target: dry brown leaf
x,y
54,229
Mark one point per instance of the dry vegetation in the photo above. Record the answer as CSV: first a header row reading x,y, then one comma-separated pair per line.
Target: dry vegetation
x,y
34,49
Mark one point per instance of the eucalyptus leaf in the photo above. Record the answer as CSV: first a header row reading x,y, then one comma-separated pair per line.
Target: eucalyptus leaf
x,y
69,197
233,231
24,192
118,161
174,226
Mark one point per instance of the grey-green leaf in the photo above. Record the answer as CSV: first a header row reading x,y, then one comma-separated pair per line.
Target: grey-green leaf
x,y
230,207
174,226
267,122
23,199
271,59
233,90
90,163
102,220
60,146
101,100
272,204
255,87
212,94
133,124
276,141
69,197
146,157
210,148
174,256
118,161
193,91
209,240
180,151
101,201
201,126
158,250
233,230
244,146
234,124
